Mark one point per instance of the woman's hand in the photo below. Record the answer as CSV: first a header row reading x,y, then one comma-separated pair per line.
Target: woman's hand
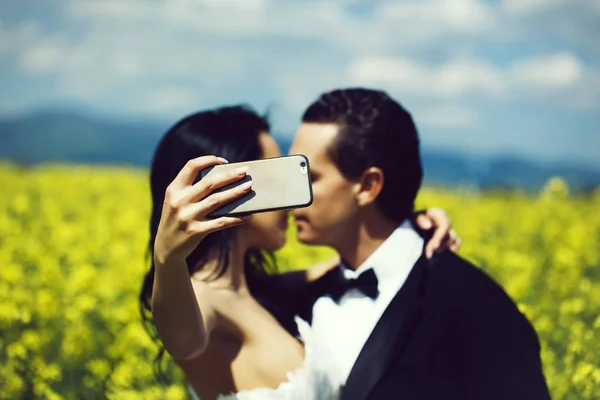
x,y
184,223
444,237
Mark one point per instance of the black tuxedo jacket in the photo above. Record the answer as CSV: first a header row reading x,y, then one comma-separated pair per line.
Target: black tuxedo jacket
x,y
450,332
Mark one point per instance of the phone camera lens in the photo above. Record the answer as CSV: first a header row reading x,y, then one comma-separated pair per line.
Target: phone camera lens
x,y
303,164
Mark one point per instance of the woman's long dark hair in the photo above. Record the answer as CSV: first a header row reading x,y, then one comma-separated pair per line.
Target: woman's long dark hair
x,y
228,132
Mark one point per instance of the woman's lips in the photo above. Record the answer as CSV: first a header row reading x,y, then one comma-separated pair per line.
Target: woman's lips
x,y
283,223
300,220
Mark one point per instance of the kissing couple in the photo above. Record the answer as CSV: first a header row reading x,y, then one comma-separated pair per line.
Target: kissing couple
x,y
397,314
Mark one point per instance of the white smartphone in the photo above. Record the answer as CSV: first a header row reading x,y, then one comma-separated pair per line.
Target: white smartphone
x,y
280,183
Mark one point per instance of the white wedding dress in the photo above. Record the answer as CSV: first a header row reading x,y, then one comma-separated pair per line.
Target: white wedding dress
x,y
315,380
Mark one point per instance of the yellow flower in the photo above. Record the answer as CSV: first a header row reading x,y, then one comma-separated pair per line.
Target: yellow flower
x,y
72,257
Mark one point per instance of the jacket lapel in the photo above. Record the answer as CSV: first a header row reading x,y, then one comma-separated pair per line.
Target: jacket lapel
x,y
390,336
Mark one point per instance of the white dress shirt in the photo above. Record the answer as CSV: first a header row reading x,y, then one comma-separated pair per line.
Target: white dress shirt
x,y
345,327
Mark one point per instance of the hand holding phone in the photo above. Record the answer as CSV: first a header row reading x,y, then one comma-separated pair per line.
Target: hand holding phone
x,y
184,220
279,183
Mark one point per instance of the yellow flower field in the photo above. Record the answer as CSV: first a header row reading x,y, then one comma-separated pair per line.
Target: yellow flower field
x,y
73,251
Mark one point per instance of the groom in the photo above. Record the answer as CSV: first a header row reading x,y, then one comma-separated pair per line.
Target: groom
x,y
399,325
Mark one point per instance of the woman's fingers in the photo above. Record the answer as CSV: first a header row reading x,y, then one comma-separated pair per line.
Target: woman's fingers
x,y
206,227
209,184
454,241
424,222
442,227
190,171
217,224
192,218
198,211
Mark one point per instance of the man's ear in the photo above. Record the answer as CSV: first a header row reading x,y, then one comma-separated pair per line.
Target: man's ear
x,y
369,186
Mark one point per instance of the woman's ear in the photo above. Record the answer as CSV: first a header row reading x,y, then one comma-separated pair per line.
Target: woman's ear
x,y
369,186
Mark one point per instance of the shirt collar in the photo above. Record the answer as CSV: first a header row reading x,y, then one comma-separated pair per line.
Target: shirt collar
x,y
389,256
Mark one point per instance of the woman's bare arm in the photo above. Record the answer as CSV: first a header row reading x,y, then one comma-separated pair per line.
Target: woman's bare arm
x,y
183,316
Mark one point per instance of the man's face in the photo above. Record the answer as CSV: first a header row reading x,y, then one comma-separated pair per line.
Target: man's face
x,y
333,212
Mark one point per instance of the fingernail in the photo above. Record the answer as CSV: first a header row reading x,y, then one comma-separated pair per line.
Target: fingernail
x,y
246,186
241,171
222,160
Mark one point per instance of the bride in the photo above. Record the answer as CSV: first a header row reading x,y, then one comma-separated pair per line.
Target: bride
x,y
225,322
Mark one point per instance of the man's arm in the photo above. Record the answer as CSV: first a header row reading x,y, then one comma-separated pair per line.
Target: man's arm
x,y
498,353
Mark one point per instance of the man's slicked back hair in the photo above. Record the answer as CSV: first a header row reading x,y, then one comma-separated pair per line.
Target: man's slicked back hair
x,y
374,131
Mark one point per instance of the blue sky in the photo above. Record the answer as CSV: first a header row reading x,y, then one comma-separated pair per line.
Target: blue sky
x,y
517,76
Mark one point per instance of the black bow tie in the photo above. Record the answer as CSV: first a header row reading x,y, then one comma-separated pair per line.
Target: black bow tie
x,y
365,282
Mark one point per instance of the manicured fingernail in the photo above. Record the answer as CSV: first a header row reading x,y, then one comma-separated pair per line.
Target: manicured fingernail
x,y
246,186
222,160
241,171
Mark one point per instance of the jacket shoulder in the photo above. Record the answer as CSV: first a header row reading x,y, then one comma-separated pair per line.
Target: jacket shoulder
x,y
462,284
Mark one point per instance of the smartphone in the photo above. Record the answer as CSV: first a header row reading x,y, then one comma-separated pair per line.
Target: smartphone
x,y
279,183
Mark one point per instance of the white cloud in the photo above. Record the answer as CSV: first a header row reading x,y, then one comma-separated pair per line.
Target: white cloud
x,y
292,50
546,74
440,17
572,23
446,60
452,79
225,19
168,101
588,94
43,57
232,4
556,71
24,35
531,6
447,116
561,80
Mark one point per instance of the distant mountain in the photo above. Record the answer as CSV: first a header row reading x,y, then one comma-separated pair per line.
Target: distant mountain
x,y
78,138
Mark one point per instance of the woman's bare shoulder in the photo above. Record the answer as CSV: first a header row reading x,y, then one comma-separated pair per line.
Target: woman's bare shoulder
x,y
316,271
